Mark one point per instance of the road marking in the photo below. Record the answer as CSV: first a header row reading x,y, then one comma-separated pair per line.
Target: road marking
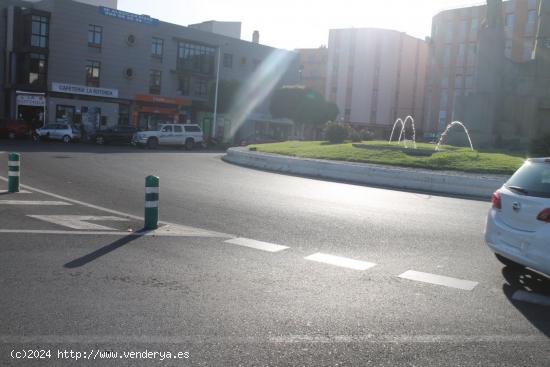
x,y
80,221
258,245
439,280
524,296
32,202
340,261
2,192
107,210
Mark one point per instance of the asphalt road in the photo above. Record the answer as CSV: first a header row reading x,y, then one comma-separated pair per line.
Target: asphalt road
x,y
226,304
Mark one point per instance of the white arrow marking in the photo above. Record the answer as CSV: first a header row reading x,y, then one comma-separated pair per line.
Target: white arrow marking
x,y
79,221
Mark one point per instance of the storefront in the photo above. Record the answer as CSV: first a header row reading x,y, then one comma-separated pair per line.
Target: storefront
x,y
31,107
90,108
151,111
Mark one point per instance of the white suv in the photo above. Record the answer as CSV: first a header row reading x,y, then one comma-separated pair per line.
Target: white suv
x,y
186,135
518,225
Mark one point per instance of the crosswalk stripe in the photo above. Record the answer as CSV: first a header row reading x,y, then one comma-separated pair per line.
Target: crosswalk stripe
x,y
32,202
524,296
258,245
439,280
340,261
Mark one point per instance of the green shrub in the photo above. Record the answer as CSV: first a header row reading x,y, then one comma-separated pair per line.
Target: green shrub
x,y
354,136
366,134
336,132
540,146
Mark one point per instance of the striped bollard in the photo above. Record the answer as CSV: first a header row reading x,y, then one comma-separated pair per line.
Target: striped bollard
x,y
13,172
151,202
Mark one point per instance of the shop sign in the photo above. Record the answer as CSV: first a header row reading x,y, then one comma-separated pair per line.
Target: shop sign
x,y
82,89
124,15
30,100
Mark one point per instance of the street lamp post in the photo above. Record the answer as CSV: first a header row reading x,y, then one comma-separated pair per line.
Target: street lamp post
x,y
215,116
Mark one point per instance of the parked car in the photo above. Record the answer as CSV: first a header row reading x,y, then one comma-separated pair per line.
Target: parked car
x,y
14,128
64,132
118,134
186,135
518,224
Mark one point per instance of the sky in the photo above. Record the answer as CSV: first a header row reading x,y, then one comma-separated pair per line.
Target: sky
x,y
291,24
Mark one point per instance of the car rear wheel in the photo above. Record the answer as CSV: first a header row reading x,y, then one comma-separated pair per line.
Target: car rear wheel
x,y
509,263
189,144
152,143
66,139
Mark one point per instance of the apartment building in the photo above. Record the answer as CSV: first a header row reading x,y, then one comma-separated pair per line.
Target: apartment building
x,y
454,52
63,60
376,76
313,68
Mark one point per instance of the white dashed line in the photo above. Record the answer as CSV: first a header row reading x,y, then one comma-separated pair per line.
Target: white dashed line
x,y
524,296
439,280
32,202
258,245
340,261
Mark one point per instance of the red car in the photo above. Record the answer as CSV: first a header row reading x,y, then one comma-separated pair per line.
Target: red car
x,y
14,128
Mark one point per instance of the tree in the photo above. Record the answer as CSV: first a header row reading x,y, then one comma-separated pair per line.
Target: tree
x,y
302,105
227,90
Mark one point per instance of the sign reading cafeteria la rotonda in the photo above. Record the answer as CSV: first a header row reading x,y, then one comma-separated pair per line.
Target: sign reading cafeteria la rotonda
x,y
85,90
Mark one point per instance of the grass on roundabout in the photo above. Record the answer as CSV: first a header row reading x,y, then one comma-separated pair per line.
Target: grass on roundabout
x,y
381,152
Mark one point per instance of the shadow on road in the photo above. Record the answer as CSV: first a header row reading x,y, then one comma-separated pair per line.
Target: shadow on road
x,y
529,281
23,146
81,261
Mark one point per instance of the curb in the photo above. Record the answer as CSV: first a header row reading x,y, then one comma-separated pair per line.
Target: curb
x,y
443,182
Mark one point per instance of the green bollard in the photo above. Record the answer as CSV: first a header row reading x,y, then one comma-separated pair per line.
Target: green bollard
x,y
151,202
13,172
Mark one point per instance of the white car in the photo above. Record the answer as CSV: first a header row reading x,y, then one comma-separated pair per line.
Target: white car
x,y
518,224
170,134
58,131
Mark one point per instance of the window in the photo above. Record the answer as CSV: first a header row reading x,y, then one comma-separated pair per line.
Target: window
x,y
192,129
461,53
184,85
37,69
201,88
509,21
255,63
469,82
445,82
373,116
92,73
458,81
178,129
508,48
155,81
463,26
532,4
39,31
195,57
531,16
157,47
95,33
228,60
473,25
449,33
444,100
166,129
64,114
527,49
447,56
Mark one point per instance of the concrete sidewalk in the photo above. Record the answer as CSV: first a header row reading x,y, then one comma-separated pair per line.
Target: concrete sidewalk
x,y
444,182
